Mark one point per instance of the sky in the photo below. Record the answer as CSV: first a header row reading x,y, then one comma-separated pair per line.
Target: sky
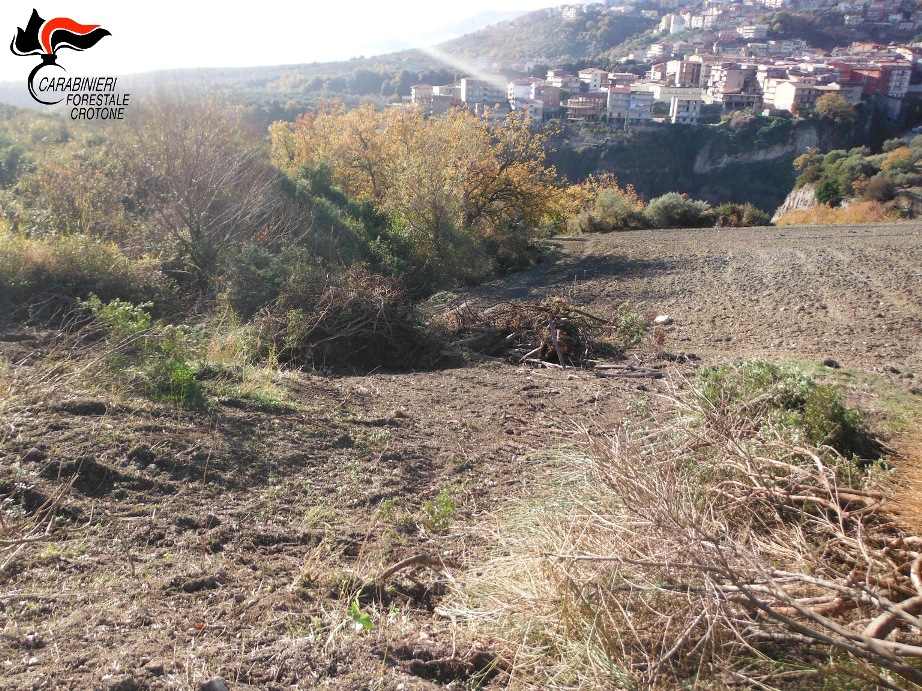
x,y
168,34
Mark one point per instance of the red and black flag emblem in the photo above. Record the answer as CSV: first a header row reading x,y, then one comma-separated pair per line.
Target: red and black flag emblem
x,y
42,37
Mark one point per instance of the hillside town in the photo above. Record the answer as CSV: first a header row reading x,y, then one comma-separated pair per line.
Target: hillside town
x,y
713,55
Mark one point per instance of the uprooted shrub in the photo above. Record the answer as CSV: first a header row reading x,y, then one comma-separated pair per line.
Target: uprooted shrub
x,y
353,319
705,551
552,331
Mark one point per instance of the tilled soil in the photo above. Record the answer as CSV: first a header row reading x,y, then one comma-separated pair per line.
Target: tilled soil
x,y
243,541
851,293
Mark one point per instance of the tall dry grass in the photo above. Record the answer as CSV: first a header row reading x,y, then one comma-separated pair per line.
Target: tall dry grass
x,y
55,270
706,551
822,214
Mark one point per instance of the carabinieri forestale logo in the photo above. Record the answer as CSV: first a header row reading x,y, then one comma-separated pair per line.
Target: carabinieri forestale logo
x,y
90,98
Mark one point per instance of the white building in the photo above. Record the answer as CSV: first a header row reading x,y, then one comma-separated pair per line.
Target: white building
x,y
532,107
753,32
593,78
629,105
481,91
685,110
795,96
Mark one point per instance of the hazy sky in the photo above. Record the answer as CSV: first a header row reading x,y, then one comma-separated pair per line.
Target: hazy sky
x,y
167,34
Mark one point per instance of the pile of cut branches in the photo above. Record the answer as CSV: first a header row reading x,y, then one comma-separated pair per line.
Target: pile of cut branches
x,y
356,319
552,331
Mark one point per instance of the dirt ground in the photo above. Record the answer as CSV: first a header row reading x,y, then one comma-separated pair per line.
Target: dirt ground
x,y
851,293
246,541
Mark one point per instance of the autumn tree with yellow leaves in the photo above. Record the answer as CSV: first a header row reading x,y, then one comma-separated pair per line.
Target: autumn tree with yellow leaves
x,y
466,193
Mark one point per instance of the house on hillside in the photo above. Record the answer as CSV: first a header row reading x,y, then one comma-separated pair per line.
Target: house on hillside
x,y
589,106
629,105
685,110
795,96
593,79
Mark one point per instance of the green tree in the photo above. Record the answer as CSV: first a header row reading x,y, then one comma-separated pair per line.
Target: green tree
x,y
837,109
829,191
456,186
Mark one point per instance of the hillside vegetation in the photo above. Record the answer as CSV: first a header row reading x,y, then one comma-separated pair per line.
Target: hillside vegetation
x,y
262,391
180,505
319,243
857,186
550,39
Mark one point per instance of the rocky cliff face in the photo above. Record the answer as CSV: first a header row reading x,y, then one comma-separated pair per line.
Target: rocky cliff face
x,y
802,139
804,198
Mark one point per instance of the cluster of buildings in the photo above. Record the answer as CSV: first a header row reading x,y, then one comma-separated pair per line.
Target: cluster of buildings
x,y
708,52
741,22
861,73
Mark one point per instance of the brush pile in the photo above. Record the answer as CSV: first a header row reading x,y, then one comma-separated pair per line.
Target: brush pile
x,y
553,332
727,546
357,320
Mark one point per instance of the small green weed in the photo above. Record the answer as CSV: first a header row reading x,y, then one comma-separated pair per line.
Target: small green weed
x,y
392,513
155,357
440,511
123,319
362,619
630,326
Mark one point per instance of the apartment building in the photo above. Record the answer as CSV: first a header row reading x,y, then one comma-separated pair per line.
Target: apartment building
x,y
563,80
593,79
549,96
522,88
683,72
589,106
685,110
481,91
532,107
753,32
421,95
885,79
795,96
629,105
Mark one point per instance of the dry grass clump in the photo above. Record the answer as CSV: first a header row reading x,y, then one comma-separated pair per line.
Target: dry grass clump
x,y
710,551
907,496
822,214
53,271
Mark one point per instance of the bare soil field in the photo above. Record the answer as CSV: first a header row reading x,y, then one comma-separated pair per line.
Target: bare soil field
x,y
852,293
248,541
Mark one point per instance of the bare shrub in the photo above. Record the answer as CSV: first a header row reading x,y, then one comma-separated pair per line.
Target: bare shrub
x,y
203,185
